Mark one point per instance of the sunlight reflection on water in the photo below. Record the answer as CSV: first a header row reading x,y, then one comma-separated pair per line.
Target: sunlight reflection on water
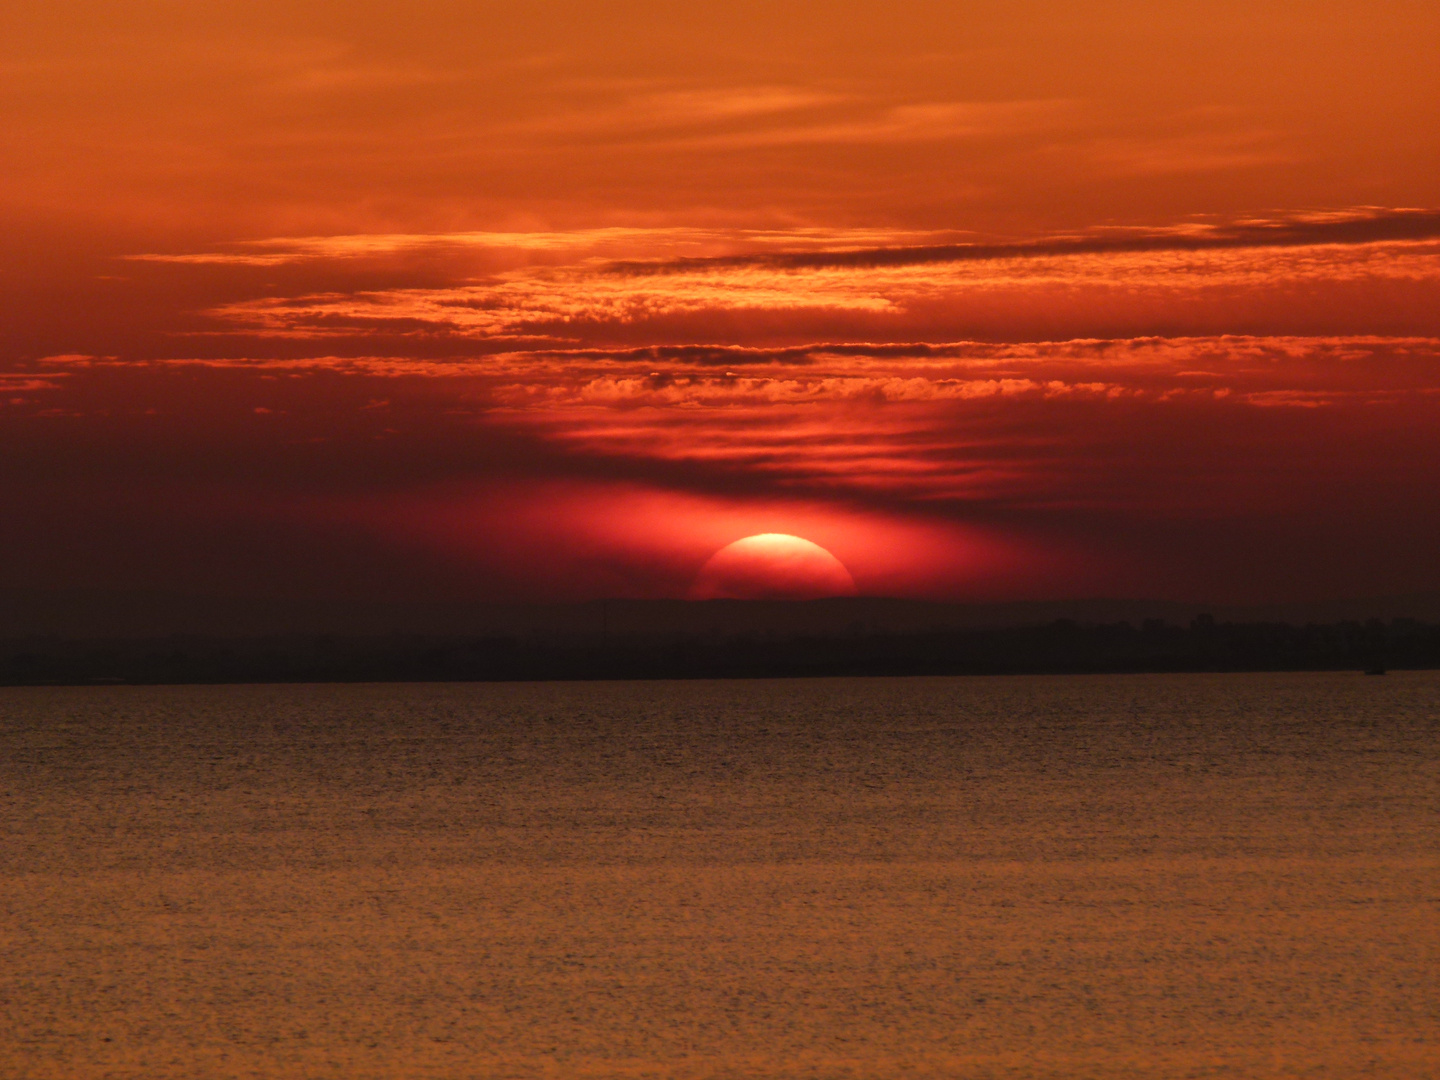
x,y
1109,876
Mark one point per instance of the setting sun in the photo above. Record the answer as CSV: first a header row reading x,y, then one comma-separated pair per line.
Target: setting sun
x,y
772,566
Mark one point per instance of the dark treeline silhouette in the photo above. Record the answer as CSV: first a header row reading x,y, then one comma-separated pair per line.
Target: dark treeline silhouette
x,y
1063,646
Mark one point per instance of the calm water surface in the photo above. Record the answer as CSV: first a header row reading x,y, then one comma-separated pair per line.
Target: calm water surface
x,y
1150,876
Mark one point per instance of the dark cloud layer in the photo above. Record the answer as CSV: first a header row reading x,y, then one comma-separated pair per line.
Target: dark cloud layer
x,y
1222,468
1366,226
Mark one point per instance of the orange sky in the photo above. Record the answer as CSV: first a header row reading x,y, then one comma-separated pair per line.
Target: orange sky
x,y
553,300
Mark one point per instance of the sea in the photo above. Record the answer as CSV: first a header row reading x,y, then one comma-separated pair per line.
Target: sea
x,y
1221,875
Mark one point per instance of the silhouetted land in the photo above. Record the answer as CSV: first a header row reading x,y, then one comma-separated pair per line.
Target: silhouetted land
x,y
1061,646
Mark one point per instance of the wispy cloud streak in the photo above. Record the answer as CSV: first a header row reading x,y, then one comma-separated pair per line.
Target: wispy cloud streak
x,y
1199,272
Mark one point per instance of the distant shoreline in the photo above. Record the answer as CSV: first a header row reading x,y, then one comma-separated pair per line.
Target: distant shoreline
x,y
1060,647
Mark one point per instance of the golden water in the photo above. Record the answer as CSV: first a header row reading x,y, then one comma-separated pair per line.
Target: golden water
x,y
1150,876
